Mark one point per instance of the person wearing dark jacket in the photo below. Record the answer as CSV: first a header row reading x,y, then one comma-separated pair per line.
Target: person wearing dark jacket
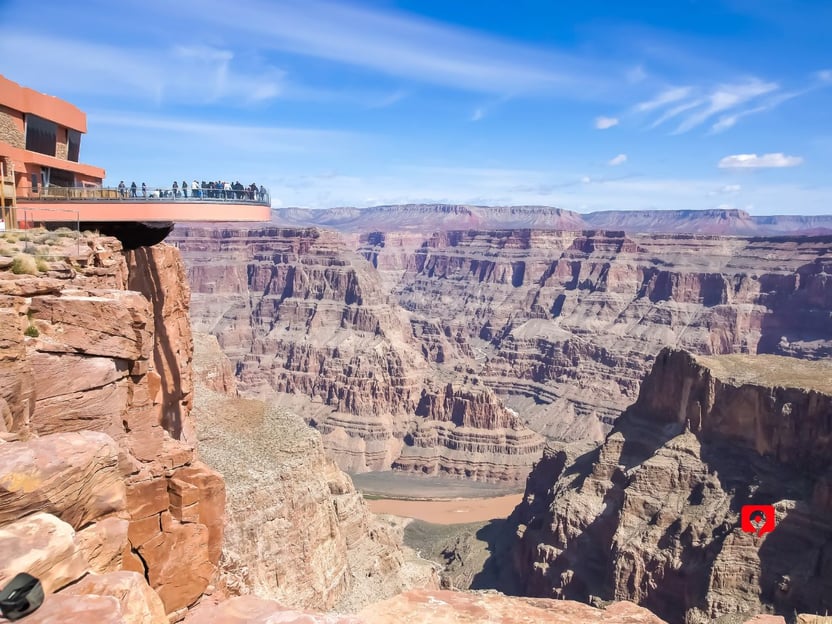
x,y
133,188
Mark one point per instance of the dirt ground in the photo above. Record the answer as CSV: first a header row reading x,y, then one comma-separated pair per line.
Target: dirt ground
x,y
459,511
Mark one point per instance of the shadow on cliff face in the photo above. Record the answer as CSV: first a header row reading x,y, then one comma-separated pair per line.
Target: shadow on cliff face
x,y
800,306
145,276
796,563
557,544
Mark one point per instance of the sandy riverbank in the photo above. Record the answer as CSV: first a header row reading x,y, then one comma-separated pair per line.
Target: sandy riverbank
x,y
448,511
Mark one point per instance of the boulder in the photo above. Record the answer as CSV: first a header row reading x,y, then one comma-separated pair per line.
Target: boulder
x,y
43,546
70,609
449,607
103,544
139,603
253,610
74,476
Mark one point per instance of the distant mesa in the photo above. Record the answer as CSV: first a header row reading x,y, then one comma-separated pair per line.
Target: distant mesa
x,y
433,217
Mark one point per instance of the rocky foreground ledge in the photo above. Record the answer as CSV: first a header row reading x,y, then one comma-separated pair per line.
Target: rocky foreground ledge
x,y
431,607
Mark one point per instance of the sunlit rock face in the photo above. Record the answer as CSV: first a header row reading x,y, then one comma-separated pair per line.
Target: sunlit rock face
x,y
653,514
97,437
312,326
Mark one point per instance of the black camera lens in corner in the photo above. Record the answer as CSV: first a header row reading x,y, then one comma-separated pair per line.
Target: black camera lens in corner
x,y
22,595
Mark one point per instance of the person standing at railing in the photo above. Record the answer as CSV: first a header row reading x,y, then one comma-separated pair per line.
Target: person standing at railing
x,y
195,189
122,189
262,193
185,189
175,189
133,189
144,190
226,188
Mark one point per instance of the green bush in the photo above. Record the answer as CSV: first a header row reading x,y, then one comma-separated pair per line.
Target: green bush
x,y
42,265
31,331
24,264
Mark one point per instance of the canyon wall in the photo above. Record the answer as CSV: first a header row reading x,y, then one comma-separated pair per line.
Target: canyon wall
x,y
557,327
312,326
653,515
97,469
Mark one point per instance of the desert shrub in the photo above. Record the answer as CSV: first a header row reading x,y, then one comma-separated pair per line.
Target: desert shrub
x,y
64,232
25,237
31,331
48,238
5,250
42,265
11,238
24,263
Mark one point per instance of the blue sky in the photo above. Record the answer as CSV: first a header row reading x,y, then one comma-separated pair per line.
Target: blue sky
x,y
685,104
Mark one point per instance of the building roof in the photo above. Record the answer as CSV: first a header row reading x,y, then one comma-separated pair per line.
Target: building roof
x,y
29,101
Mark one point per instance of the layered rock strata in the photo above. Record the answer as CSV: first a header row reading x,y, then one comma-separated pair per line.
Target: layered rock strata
x,y
95,396
653,515
311,325
561,326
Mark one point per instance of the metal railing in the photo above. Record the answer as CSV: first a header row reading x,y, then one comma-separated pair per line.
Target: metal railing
x,y
149,194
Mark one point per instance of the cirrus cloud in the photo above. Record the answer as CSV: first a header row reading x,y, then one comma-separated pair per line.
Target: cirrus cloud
x,y
602,123
752,161
618,160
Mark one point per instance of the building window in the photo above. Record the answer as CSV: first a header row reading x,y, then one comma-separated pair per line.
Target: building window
x,y
73,139
41,135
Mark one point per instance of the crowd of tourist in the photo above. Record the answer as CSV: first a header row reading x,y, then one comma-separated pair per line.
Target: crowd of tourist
x,y
198,190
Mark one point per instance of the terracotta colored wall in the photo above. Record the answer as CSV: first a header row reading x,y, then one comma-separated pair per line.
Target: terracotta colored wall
x,y
30,101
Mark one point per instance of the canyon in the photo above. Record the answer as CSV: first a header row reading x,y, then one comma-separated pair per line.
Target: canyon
x,y
459,352
104,395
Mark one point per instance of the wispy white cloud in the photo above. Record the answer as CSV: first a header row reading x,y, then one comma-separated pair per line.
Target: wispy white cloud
x,y
668,96
723,105
603,123
528,187
232,138
725,97
770,103
617,160
395,43
181,73
388,100
752,161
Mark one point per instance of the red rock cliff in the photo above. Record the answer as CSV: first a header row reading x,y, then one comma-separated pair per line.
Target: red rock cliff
x,y
653,515
95,393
